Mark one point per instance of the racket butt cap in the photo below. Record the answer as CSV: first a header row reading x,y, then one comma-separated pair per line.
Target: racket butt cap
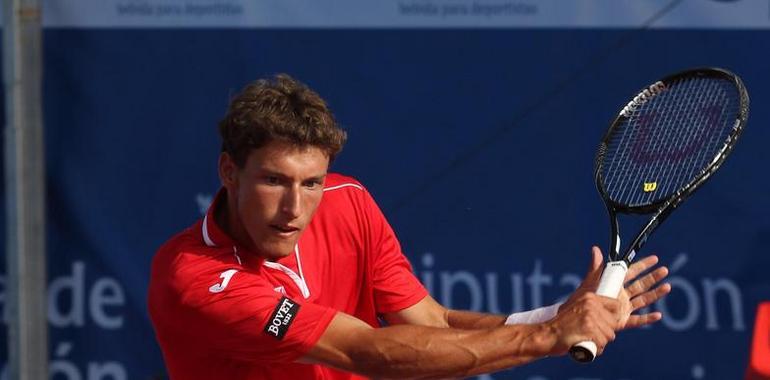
x,y
583,352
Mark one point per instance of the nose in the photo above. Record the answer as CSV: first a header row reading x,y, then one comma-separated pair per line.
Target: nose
x,y
291,204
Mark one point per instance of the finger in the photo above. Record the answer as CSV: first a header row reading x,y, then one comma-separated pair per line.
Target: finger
x,y
609,313
610,304
608,325
599,350
595,268
604,329
600,332
644,283
650,297
642,320
640,266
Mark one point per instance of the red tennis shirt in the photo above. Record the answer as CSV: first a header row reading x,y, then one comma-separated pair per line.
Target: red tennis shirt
x,y
217,318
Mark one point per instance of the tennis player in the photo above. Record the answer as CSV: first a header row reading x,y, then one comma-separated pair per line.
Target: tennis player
x,y
293,270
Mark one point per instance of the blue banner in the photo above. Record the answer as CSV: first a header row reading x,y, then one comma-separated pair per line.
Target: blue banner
x,y
478,144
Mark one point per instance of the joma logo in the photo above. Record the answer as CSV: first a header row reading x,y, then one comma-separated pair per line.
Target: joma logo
x,y
225,276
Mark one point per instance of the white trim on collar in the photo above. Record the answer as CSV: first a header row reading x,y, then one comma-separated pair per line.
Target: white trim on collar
x,y
299,280
344,185
210,243
205,230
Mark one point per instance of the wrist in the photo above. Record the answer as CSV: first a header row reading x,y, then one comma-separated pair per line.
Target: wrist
x,y
545,338
538,315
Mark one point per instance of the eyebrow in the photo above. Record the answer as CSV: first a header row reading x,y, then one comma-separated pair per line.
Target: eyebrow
x,y
318,178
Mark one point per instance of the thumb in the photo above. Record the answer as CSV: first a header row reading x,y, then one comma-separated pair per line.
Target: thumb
x,y
595,269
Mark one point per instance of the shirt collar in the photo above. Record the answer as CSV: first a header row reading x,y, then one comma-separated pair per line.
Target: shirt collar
x,y
213,235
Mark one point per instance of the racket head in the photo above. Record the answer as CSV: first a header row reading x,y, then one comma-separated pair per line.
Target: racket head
x,y
669,139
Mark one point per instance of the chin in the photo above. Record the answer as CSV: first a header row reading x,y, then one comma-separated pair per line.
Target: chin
x,y
275,253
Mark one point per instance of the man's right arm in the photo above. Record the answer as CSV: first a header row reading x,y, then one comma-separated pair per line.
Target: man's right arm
x,y
410,351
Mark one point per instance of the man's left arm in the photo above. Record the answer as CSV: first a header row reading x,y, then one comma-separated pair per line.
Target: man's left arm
x,y
639,292
428,312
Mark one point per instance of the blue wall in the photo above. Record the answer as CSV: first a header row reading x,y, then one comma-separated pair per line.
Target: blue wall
x,y
478,145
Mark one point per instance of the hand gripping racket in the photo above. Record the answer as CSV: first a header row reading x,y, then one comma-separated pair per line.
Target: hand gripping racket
x,y
663,145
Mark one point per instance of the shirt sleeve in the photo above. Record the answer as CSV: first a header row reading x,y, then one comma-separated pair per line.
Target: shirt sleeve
x,y
395,285
248,320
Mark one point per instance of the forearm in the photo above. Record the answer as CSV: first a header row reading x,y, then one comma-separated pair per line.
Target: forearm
x,y
469,320
407,351
472,320
420,352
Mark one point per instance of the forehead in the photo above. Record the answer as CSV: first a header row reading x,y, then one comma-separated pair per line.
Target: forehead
x,y
288,159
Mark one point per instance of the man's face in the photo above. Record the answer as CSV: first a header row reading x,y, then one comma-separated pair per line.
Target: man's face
x,y
274,196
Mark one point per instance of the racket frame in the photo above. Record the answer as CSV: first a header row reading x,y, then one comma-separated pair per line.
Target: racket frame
x,y
612,279
662,208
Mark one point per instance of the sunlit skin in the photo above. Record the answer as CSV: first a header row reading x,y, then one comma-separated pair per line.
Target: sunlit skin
x,y
272,198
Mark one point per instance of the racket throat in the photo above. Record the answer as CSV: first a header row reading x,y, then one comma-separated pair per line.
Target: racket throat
x,y
630,252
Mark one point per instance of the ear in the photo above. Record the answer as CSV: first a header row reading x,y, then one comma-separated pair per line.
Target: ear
x,y
228,171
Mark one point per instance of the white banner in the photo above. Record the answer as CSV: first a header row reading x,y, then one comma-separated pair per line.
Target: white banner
x,y
695,14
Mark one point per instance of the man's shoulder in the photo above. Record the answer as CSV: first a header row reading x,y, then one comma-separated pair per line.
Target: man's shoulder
x,y
343,194
185,257
184,238
336,181
171,251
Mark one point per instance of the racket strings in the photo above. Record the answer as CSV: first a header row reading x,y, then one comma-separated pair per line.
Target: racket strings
x,y
678,138
630,139
699,126
654,112
667,141
710,132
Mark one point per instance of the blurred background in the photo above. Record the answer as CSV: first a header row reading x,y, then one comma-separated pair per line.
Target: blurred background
x,y
474,124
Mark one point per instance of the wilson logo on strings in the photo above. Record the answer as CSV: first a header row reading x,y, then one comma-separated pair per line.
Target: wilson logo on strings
x,y
650,186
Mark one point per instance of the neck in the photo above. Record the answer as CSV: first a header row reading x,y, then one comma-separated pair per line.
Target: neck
x,y
226,217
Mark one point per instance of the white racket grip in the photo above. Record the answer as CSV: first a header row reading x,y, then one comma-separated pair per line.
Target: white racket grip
x,y
612,279
610,284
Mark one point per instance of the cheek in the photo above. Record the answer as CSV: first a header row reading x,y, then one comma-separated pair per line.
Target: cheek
x,y
255,205
311,203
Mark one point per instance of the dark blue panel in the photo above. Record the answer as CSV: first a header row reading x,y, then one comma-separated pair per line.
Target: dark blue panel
x,y
478,145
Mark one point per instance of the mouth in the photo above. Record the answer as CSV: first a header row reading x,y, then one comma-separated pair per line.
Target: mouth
x,y
284,230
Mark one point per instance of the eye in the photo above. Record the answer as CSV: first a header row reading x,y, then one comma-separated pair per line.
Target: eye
x,y
313,184
272,180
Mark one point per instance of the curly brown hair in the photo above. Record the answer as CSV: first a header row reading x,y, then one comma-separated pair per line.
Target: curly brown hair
x,y
280,108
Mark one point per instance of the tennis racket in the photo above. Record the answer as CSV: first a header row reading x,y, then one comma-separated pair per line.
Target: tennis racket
x,y
663,145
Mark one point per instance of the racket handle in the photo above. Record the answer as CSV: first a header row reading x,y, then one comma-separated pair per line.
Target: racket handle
x,y
609,286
